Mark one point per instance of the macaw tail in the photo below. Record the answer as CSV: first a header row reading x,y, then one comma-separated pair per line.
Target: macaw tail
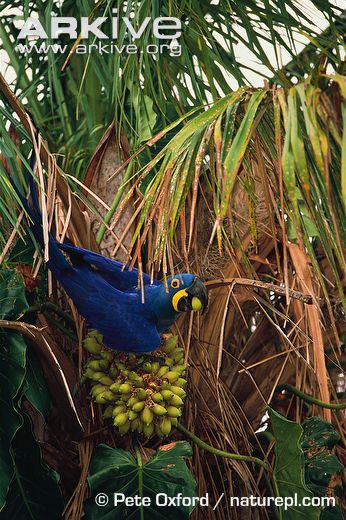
x,y
57,261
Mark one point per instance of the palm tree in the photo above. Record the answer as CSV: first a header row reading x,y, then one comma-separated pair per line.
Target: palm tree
x,y
244,186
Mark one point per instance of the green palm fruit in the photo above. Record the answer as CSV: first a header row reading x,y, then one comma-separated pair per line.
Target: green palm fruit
x,y
176,400
95,338
125,397
138,407
132,415
170,344
92,346
172,376
133,376
135,424
104,364
167,394
172,411
121,419
105,380
177,390
180,369
158,430
105,354
147,416
94,364
179,359
138,383
118,409
107,414
97,376
141,393
133,400
158,409
141,403
157,397
93,333
111,396
114,387
104,397
98,389
89,373
148,430
113,372
135,379
177,354
125,428
162,371
166,425
155,367
125,388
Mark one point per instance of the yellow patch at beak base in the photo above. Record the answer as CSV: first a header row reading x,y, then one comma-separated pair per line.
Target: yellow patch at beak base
x,y
177,297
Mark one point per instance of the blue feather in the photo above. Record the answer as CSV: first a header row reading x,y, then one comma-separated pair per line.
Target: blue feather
x,y
106,293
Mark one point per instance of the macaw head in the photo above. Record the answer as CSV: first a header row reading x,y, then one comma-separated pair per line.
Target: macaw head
x,y
186,292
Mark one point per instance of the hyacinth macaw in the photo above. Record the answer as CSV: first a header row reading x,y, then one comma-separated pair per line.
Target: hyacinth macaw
x,y
107,295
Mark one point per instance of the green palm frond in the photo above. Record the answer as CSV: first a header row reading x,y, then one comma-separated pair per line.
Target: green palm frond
x,y
215,150
137,89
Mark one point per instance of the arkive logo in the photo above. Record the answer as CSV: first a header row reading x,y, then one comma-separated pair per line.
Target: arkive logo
x,y
167,28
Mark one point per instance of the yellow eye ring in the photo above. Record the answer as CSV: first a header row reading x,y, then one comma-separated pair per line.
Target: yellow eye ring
x,y
175,283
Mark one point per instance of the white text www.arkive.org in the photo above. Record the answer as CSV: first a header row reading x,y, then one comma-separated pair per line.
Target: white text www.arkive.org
x,y
101,48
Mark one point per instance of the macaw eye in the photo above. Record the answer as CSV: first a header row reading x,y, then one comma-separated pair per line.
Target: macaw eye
x,y
175,283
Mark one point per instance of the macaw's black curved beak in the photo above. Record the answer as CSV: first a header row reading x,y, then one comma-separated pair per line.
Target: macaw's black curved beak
x,y
196,298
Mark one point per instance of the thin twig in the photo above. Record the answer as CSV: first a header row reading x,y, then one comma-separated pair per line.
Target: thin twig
x,y
214,284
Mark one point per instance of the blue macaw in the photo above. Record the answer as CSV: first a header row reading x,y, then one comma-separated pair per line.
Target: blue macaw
x,y
107,294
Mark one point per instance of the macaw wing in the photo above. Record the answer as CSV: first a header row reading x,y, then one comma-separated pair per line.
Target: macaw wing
x,y
115,273
127,325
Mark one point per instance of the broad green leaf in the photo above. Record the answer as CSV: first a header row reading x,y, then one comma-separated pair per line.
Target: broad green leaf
x,y
321,465
288,167
306,220
114,470
146,118
343,157
307,94
332,513
34,387
321,470
22,252
12,295
297,143
34,492
318,434
12,372
203,120
289,467
238,148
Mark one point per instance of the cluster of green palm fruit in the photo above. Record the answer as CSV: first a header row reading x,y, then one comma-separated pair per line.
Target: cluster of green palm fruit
x,y
140,395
